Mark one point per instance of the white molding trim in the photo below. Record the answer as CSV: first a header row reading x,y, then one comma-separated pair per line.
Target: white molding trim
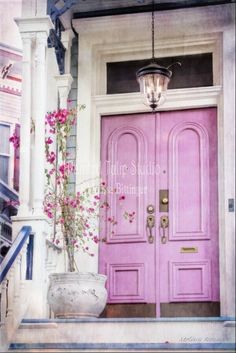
x,y
64,80
63,83
139,50
34,24
176,99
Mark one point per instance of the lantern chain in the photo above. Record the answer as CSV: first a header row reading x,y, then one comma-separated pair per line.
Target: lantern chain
x,y
153,34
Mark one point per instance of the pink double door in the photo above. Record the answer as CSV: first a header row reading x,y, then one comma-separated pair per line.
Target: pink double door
x,y
160,227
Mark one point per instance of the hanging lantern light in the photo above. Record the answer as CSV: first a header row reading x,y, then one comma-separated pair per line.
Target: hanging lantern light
x,y
153,79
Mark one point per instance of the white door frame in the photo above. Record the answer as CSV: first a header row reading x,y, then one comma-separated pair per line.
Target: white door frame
x,y
99,45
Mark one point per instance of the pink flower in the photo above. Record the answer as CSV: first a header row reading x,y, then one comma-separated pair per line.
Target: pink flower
x,y
15,140
51,156
66,168
49,141
52,171
50,119
73,203
122,197
95,239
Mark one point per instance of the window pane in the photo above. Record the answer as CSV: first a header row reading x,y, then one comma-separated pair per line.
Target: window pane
x,y
195,71
4,162
4,139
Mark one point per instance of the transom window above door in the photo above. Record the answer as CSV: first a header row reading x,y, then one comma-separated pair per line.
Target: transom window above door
x,y
195,71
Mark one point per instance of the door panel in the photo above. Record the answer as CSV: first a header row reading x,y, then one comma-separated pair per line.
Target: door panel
x,y
127,257
142,154
188,182
189,259
126,149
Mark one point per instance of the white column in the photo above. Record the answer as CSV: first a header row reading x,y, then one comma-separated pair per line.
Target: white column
x,y
38,28
25,121
31,8
31,29
63,83
39,116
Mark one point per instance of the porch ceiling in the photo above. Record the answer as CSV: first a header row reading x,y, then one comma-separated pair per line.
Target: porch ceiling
x,y
94,8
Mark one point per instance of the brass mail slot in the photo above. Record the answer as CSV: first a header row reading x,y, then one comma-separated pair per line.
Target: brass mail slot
x,y
189,250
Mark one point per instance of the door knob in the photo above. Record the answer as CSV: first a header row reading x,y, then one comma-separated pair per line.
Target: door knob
x,y
150,209
164,201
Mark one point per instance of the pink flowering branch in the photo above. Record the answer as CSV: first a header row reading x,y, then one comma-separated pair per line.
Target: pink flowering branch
x,y
15,140
74,214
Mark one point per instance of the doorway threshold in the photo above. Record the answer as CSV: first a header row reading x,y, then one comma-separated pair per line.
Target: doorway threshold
x,y
133,319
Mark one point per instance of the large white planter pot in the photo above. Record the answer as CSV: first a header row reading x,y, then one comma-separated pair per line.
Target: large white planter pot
x,y
77,294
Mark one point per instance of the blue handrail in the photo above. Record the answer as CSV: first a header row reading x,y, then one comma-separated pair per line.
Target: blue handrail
x,y
14,251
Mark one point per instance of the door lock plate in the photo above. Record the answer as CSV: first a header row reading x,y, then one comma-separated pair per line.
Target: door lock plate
x,y
163,200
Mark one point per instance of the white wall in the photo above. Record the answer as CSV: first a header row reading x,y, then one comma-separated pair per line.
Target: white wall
x,y
9,33
10,43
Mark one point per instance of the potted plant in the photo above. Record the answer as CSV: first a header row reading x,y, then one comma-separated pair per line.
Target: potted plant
x,y
73,215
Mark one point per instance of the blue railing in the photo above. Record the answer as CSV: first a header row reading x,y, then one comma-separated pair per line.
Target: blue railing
x,y
8,207
6,193
15,249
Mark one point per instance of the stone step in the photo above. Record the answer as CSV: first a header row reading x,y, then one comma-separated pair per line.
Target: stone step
x,y
126,335
121,347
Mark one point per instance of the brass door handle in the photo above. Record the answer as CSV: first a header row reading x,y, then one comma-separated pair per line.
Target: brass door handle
x,y
150,226
164,223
